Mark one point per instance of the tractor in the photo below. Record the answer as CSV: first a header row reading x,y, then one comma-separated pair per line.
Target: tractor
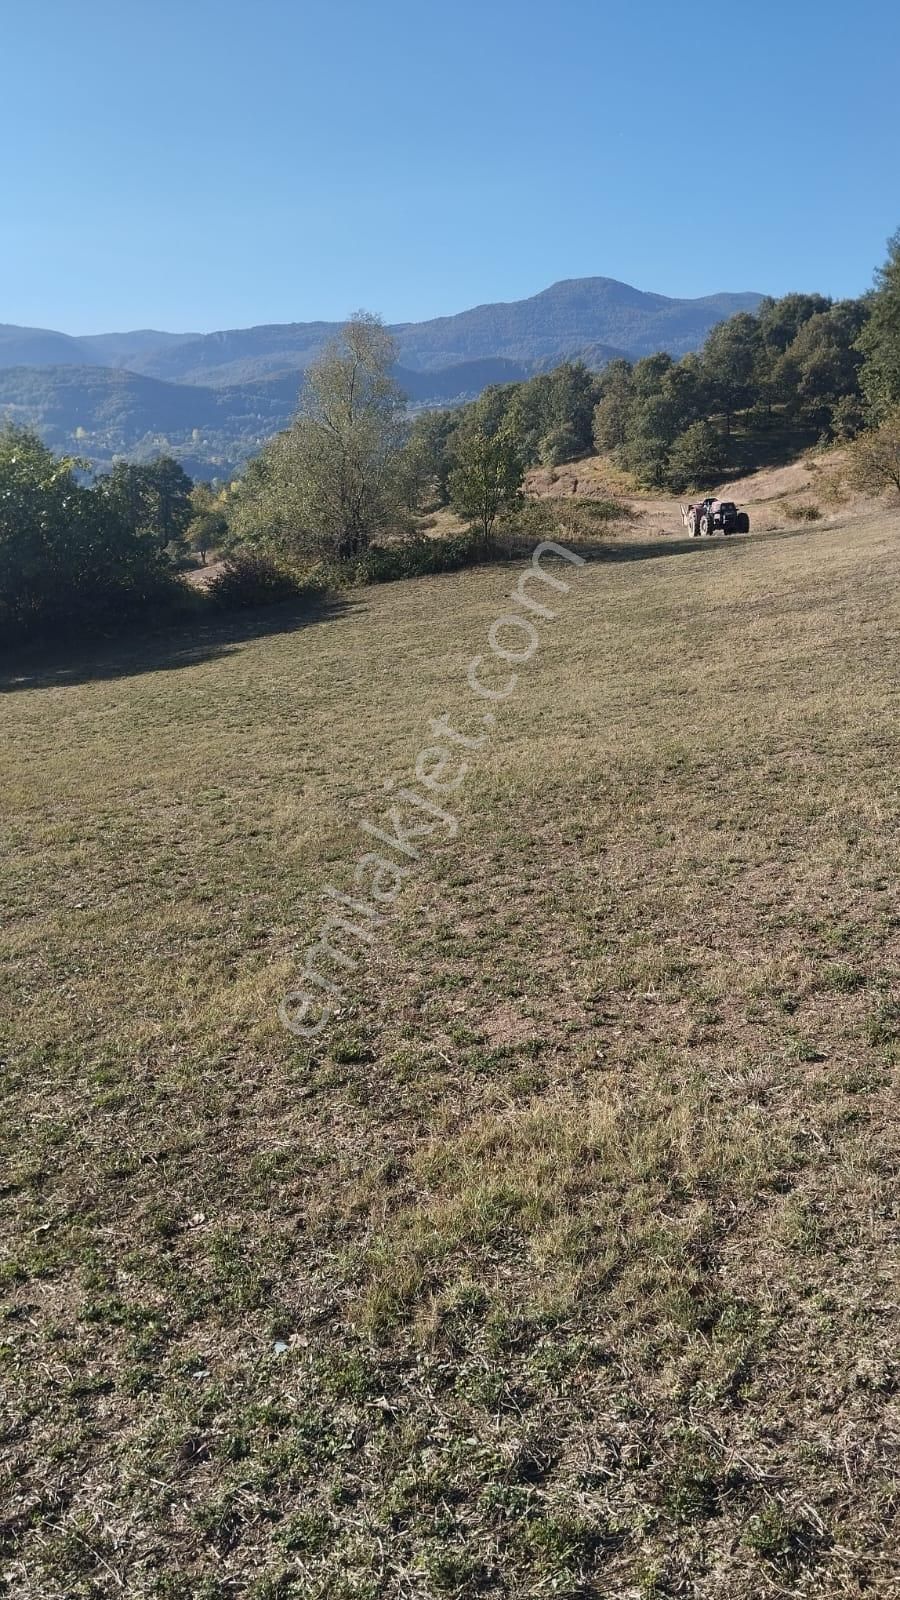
x,y
714,516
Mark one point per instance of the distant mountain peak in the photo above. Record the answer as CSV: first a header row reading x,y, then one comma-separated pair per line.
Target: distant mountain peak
x,y
214,397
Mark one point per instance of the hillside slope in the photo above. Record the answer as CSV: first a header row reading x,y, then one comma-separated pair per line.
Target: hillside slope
x,y
590,318
40,347
133,393
100,412
566,1262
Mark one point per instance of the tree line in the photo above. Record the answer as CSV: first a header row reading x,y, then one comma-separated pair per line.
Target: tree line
x,y
350,469
344,488
821,369
77,553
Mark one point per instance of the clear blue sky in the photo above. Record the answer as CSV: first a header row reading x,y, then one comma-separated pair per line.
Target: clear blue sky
x,y
201,164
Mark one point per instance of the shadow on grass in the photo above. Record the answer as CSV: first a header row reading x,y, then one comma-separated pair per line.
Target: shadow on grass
x,y
603,550
758,451
182,644
208,638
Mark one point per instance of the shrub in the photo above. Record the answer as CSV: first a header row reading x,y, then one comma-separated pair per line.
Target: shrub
x,y
249,578
608,510
417,557
787,1541
803,511
848,418
874,458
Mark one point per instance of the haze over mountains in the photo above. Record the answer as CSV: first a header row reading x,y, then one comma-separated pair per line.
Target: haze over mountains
x,y
212,399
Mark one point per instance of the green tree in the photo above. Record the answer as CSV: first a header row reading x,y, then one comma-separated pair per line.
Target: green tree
x,y
558,403
646,449
428,457
730,360
208,527
332,480
66,555
648,424
562,443
530,415
612,412
848,417
491,411
487,478
153,498
879,341
781,320
571,405
696,458
170,489
667,398
821,366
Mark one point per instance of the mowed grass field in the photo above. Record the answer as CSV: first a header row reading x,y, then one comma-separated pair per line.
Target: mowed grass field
x,y
565,1262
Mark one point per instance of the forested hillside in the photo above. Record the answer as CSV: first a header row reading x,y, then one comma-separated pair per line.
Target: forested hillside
x,y
162,399
104,412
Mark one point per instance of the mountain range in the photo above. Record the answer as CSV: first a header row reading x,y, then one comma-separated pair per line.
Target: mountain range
x,y
212,399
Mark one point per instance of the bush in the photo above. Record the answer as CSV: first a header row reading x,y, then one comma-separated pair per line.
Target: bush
x,y
848,418
874,458
803,511
416,558
608,510
249,578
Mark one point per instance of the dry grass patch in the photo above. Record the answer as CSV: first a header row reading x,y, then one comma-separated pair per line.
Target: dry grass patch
x,y
566,1263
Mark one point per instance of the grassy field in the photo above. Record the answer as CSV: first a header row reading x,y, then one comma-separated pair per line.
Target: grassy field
x,y
564,1262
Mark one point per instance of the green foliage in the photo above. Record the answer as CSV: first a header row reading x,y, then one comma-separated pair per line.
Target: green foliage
x,y
646,453
696,459
800,354
821,366
879,341
208,527
555,405
68,558
780,321
152,498
731,357
559,445
668,399
419,556
613,409
427,458
250,578
330,482
848,417
487,477
786,1541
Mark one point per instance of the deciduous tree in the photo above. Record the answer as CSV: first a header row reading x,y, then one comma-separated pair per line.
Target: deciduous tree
x,y
487,478
331,481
